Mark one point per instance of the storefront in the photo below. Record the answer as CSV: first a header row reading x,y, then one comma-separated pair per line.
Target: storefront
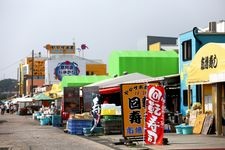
x,y
207,69
110,98
72,101
110,88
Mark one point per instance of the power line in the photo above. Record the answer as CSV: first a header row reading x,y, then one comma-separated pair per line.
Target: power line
x,y
10,65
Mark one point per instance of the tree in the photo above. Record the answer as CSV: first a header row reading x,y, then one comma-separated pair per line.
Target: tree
x,y
8,88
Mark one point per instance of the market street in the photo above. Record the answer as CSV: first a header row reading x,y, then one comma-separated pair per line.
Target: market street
x,y
24,133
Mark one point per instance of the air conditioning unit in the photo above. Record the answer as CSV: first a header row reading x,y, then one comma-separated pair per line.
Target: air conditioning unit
x,y
212,26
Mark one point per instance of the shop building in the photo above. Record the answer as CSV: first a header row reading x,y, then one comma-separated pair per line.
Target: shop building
x,y
190,42
150,63
31,73
157,43
201,70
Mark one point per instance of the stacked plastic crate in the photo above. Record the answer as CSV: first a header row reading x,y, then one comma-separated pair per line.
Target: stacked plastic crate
x,y
75,126
97,131
112,124
111,119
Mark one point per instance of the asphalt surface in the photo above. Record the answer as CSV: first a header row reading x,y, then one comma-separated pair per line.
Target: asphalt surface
x,y
24,133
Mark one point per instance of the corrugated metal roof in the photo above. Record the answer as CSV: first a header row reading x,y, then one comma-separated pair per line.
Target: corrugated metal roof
x,y
129,78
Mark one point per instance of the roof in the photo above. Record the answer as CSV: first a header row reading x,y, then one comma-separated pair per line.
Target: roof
x,y
129,78
162,40
144,53
42,97
78,81
22,99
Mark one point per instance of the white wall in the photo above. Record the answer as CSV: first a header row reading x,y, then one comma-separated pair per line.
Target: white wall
x,y
52,63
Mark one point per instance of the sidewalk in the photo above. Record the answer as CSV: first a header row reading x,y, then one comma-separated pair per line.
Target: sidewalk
x,y
176,141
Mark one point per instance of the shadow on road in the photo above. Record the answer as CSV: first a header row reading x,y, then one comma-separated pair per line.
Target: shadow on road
x,y
2,121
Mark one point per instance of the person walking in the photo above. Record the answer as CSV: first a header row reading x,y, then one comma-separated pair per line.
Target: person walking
x,y
11,108
7,107
2,109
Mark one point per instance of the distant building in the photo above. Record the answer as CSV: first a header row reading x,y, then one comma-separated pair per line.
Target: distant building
x,y
156,43
25,74
62,61
152,63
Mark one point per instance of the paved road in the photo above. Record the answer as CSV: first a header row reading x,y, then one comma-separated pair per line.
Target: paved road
x,y
24,133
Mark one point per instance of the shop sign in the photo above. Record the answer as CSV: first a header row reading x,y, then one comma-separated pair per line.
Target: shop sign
x,y
208,62
60,49
72,99
133,109
154,121
66,68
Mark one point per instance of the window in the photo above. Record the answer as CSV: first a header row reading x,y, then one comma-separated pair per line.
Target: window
x,y
186,50
198,93
185,97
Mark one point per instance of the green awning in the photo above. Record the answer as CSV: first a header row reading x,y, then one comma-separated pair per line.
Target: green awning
x,y
79,81
42,97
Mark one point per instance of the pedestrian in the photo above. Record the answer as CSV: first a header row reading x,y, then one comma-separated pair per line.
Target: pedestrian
x,y
2,109
53,108
11,108
7,107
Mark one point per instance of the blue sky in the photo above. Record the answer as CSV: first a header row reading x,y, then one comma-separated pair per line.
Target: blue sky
x,y
104,25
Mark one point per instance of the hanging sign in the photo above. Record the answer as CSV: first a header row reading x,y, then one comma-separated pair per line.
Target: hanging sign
x,y
154,121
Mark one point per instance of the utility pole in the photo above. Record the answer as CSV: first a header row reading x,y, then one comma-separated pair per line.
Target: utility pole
x,y
18,82
32,74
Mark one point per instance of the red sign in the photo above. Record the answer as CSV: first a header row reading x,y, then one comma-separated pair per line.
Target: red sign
x,y
154,121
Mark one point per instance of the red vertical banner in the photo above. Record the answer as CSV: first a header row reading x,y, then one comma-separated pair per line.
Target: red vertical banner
x,y
154,121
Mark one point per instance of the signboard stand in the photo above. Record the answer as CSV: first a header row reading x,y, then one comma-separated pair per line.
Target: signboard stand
x,y
133,108
142,113
208,123
128,141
